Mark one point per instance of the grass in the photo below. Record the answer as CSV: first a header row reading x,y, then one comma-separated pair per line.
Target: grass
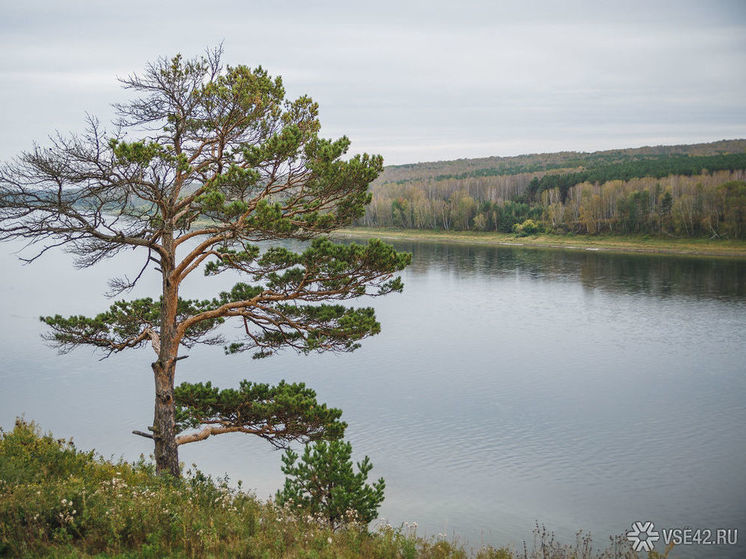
x,y
723,248
58,501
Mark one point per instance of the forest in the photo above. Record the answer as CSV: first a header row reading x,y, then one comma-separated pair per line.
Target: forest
x,y
694,190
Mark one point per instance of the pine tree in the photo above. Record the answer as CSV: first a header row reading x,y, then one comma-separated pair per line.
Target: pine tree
x,y
324,483
204,163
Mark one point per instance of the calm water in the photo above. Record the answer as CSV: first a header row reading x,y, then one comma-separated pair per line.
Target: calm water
x,y
579,389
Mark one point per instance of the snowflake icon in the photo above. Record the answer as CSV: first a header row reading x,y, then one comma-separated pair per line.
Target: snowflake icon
x,y
643,536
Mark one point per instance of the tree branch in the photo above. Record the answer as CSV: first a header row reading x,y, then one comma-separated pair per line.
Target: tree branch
x,y
143,434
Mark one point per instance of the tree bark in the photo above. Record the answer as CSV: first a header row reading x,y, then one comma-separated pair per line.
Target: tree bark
x,y
164,369
164,432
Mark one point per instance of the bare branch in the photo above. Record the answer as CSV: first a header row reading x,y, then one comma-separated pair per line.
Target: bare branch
x,y
118,286
142,434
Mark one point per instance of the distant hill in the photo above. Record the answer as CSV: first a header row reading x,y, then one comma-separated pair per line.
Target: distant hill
x,y
543,162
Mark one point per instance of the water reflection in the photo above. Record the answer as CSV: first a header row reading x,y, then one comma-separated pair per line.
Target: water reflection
x,y
656,275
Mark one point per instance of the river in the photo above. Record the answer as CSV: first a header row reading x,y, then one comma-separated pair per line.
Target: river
x,y
579,389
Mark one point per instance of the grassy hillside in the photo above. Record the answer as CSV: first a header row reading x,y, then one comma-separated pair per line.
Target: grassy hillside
x,y
58,501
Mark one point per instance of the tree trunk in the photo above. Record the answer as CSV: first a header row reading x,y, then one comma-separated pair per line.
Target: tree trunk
x,y
164,434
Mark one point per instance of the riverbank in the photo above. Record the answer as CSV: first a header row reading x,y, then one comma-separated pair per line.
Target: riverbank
x,y
718,248
57,501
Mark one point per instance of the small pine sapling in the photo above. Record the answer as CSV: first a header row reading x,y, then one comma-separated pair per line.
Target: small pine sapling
x,y
323,483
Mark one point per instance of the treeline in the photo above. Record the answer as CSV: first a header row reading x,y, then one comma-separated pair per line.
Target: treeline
x,y
684,190
658,167
709,204
704,204
459,212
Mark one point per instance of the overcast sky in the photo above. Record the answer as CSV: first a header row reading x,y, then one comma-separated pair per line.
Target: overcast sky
x,y
414,81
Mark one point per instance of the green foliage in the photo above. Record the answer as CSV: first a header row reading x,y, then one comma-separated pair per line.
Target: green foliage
x,y
528,227
281,414
128,324
323,483
56,501
323,271
137,153
733,196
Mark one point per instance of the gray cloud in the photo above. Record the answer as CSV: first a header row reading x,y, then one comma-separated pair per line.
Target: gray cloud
x,y
414,81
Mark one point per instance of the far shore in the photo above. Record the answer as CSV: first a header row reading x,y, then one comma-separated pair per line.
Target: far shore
x,y
720,248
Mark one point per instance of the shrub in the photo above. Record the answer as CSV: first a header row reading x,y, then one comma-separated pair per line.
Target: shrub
x,y
323,483
528,227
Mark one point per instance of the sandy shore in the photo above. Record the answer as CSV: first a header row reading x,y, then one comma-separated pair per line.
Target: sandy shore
x,y
624,244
